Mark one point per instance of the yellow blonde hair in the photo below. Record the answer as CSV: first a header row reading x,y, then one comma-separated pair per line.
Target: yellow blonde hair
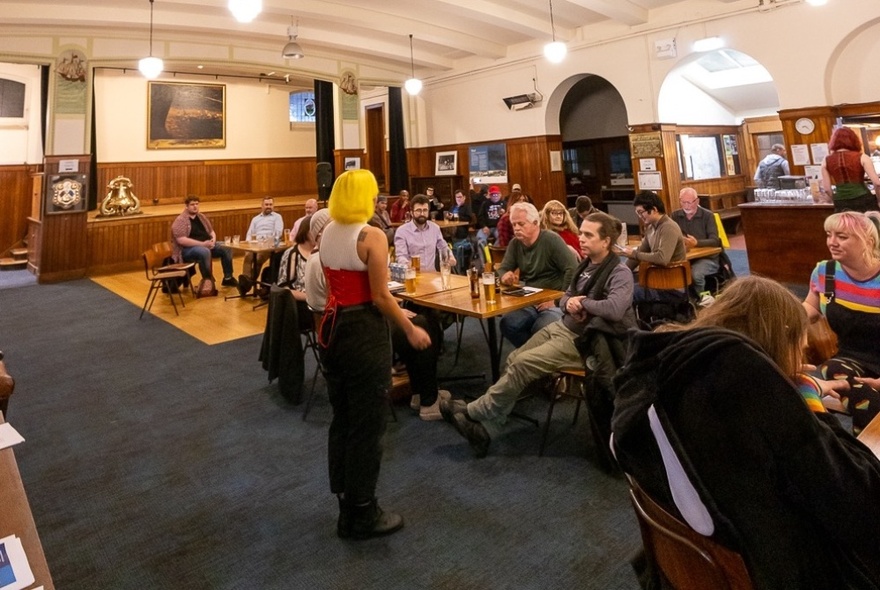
x,y
351,200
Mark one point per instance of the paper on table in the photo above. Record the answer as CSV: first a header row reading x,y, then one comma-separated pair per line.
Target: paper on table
x,y
15,572
9,436
395,287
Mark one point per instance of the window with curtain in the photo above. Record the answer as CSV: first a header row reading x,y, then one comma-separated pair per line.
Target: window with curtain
x,y
302,106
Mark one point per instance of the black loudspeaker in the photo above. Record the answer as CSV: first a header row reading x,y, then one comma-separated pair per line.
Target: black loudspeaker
x,y
324,173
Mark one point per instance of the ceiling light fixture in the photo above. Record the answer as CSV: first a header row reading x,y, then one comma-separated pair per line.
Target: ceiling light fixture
x,y
708,44
413,85
556,50
292,50
245,11
151,66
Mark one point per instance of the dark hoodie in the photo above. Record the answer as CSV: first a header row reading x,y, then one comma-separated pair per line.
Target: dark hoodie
x,y
792,491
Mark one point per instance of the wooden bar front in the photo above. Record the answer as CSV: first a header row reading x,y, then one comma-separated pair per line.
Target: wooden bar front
x,y
785,242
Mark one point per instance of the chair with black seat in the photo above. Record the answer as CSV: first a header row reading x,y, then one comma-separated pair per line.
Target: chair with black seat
x,y
161,279
686,559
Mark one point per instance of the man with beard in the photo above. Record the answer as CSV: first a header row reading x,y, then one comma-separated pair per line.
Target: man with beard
x,y
420,237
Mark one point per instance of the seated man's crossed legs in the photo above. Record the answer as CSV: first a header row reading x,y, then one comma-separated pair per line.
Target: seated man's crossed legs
x,y
700,269
518,326
551,349
202,256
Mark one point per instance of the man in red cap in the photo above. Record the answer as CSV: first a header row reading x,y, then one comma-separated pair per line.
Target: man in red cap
x,y
487,219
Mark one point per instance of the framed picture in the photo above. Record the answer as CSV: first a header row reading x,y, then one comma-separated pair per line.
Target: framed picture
x,y
185,115
352,163
447,164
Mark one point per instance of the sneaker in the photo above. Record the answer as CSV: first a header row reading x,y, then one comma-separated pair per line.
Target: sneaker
x,y
432,412
474,432
371,521
229,282
450,407
706,299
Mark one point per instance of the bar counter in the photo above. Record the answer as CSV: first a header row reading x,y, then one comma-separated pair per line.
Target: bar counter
x,y
785,241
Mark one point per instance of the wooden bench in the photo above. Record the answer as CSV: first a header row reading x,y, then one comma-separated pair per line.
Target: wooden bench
x,y
726,205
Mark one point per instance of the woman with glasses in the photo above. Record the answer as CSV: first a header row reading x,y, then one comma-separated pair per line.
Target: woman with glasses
x,y
555,217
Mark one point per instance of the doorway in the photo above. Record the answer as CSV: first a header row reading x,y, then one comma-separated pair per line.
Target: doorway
x,y
376,155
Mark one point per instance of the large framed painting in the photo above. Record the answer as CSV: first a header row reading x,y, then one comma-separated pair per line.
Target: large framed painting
x,y
185,115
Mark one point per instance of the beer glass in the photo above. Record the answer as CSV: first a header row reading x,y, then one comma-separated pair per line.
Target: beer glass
x,y
416,263
489,286
410,281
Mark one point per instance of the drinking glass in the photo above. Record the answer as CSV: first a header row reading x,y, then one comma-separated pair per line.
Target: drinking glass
x,y
410,281
489,286
236,239
287,236
226,240
416,263
445,273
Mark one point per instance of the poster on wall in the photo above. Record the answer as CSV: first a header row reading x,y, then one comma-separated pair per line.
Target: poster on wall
x,y
487,164
70,83
185,115
646,145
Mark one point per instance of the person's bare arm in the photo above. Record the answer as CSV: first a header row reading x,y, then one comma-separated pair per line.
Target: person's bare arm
x,y
372,249
811,305
868,165
826,184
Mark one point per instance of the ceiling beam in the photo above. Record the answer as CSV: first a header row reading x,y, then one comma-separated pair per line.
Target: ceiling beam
x,y
620,10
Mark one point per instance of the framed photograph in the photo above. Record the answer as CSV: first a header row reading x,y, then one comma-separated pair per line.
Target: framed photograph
x,y
352,163
185,115
447,164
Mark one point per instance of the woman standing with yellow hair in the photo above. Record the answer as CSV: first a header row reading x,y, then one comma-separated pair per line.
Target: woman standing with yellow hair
x,y
356,352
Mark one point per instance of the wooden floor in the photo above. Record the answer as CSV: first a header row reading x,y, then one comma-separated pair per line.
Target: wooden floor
x,y
211,319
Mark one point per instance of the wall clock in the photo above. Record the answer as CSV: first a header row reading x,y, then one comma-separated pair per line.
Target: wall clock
x,y
804,126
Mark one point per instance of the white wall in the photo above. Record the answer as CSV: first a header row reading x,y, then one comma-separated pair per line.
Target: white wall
x,y
20,141
256,122
698,108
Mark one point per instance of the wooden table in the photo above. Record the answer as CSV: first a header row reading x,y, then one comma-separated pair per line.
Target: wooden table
x,y
428,282
16,518
254,247
703,252
459,301
870,436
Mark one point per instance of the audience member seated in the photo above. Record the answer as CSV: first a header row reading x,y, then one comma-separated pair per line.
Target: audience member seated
x,y
292,269
478,195
555,218
583,206
538,258
421,364
461,243
419,237
269,224
194,240
662,245
598,299
714,422
487,217
504,229
846,290
400,208
698,230
436,204
382,219
310,207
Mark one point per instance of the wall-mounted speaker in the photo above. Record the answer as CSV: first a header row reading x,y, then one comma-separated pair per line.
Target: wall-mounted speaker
x,y
324,172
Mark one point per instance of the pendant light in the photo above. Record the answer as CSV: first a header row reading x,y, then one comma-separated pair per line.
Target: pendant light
x,y
413,85
292,50
151,66
556,50
245,11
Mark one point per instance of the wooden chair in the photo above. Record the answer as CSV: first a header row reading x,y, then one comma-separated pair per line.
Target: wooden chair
x,y
687,559
165,251
566,383
497,253
161,278
675,277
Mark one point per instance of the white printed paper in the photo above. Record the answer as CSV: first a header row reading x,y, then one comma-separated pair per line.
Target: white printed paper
x,y
9,436
15,571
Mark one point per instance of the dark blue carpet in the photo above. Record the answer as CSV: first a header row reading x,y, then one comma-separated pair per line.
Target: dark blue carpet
x,y
155,461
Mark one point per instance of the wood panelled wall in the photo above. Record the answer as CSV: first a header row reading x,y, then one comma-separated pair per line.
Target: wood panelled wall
x,y
15,196
213,180
528,164
116,245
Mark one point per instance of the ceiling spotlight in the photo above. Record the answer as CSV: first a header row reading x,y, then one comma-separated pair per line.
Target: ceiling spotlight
x,y
245,11
413,85
292,50
151,67
556,50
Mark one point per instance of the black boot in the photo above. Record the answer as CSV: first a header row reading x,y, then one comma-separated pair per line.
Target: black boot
x,y
371,521
343,524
